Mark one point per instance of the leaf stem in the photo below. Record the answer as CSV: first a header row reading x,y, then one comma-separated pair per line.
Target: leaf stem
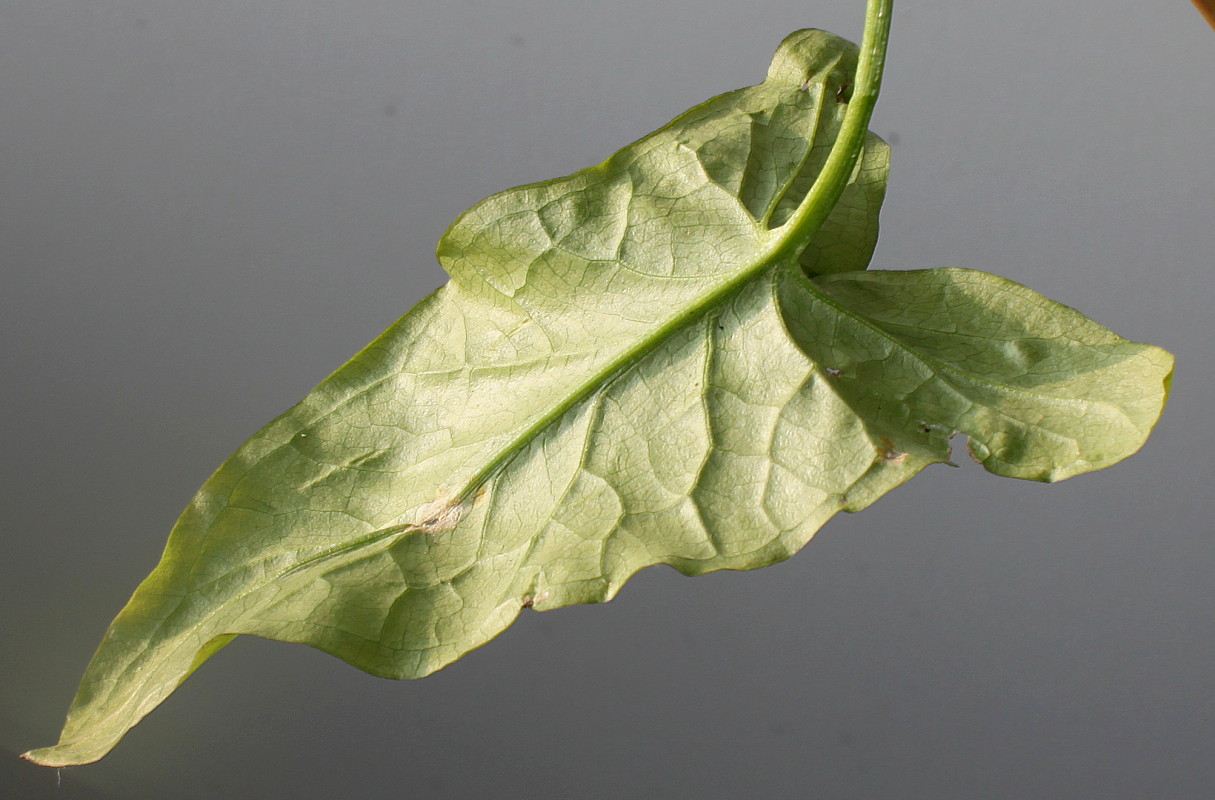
x,y
841,161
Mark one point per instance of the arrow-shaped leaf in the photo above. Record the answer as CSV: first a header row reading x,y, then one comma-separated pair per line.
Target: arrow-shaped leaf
x,y
630,366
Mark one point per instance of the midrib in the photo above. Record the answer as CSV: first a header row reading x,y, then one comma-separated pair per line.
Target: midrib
x,y
630,356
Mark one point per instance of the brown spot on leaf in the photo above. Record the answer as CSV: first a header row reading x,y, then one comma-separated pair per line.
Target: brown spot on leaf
x,y
440,514
889,453
529,600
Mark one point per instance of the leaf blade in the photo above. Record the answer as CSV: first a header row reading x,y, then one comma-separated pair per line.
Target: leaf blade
x,y
624,368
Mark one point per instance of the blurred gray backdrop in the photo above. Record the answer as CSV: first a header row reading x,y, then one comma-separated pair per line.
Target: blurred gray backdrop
x,y
205,207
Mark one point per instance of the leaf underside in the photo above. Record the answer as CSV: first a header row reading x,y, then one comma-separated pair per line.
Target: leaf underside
x,y
623,371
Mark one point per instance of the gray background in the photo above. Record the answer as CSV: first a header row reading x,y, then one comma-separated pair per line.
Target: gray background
x,y
207,206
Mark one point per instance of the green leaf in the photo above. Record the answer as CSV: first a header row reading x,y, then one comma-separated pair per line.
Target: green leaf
x,y
630,366
847,238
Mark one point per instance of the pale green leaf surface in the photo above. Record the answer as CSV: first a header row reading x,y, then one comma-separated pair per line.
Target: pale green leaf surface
x,y
1042,392
623,371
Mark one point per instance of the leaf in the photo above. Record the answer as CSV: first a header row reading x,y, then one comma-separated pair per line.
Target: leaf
x,y
1207,9
630,366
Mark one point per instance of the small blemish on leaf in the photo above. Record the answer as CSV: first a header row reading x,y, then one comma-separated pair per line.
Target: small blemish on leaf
x,y
842,95
889,453
440,515
833,372
529,600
